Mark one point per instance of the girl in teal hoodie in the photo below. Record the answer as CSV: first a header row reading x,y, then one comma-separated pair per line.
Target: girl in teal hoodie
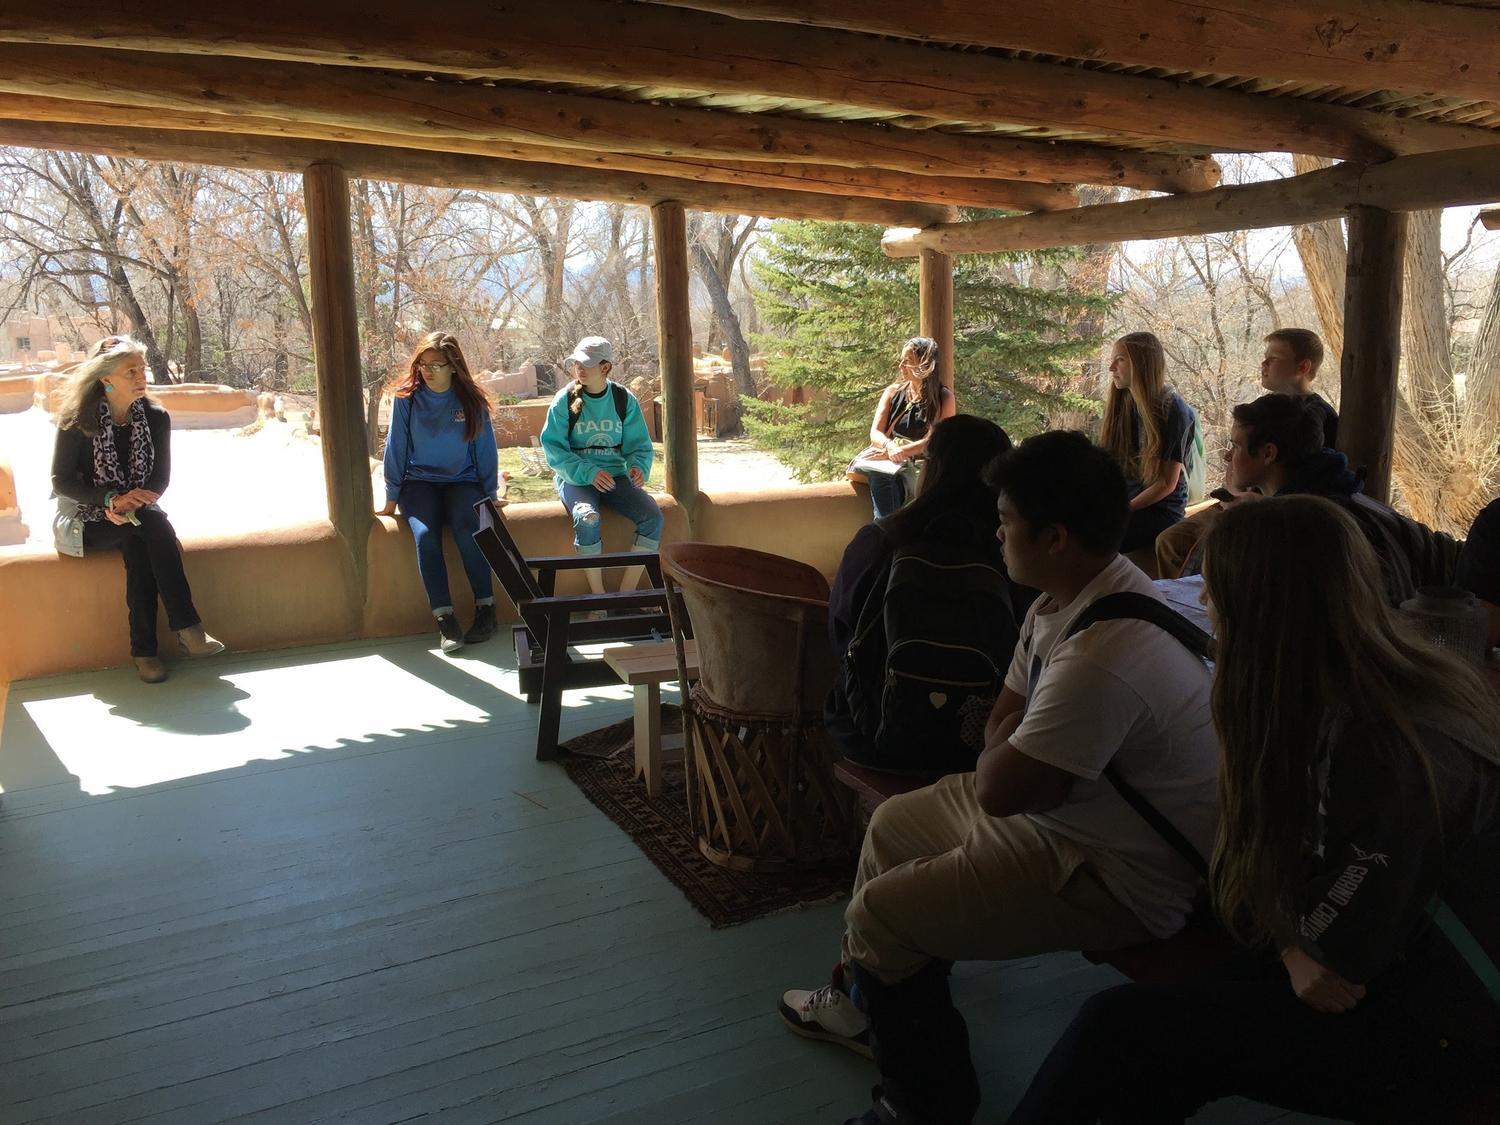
x,y
599,449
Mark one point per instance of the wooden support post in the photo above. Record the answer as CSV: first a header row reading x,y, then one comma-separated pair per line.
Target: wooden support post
x,y
341,407
1372,344
935,294
674,346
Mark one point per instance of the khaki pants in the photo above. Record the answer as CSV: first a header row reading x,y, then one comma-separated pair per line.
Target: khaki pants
x,y
940,878
1176,544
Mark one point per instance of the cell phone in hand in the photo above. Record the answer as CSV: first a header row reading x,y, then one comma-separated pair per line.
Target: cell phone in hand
x,y
1223,495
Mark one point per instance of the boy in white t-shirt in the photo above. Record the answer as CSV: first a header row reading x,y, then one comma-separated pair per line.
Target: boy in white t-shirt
x,y
1035,851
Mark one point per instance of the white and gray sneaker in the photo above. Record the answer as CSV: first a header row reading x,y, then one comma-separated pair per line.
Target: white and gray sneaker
x,y
828,1014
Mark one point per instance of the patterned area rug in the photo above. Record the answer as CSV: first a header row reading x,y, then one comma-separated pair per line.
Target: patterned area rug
x,y
601,763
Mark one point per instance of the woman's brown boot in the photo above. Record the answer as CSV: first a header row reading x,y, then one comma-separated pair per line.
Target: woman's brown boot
x,y
150,669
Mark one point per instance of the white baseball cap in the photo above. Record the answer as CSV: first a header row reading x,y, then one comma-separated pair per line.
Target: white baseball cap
x,y
592,351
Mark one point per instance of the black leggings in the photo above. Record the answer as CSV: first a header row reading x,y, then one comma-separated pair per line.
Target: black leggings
x,y
1142,1054
1145,525
153,566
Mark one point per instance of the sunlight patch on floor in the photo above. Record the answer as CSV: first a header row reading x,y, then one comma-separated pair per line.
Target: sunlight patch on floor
x,y
199,723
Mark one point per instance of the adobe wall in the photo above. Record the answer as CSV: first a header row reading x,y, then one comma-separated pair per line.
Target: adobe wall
x,y
193,406
60,614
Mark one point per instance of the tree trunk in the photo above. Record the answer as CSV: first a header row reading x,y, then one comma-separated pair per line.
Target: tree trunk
x,y
1321,247
1426,355
1482,387
192,334
718,293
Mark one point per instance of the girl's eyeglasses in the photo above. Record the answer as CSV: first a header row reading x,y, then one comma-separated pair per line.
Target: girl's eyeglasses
x,y
433,366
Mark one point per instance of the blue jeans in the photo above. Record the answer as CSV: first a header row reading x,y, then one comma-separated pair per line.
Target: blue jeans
x,y
888,493
428,506
583,502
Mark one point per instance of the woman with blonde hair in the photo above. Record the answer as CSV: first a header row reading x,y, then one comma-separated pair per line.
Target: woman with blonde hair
x,y
110,465
904,419
1357,860
441,460
1149,430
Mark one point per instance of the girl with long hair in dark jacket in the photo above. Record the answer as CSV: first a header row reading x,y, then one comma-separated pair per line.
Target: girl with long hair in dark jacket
x,y
1358,850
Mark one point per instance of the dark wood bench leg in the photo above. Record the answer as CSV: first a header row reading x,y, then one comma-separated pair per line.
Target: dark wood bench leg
x,y
554,667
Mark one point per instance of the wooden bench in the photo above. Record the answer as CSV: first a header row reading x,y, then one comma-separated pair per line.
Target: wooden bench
x,y
1193,950
645,667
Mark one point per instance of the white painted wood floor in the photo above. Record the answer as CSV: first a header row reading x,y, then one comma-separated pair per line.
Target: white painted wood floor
x,y
332,884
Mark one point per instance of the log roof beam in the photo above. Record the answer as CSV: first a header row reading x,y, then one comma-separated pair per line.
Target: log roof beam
x,y
449,170
1403,45
1406,183
388,102
599,42
829,179
1490,219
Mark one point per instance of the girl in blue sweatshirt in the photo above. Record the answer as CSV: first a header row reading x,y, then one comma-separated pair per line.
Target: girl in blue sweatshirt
x,y
440,460
598,446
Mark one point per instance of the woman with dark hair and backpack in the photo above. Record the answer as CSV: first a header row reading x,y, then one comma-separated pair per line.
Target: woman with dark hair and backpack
x,y
905,417
441,460
1357,859
953,516
598,446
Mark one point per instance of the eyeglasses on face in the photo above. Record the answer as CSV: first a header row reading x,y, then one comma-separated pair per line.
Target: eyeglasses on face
x,y
440,365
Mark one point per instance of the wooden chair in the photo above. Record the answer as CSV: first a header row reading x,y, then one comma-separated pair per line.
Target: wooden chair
x,y
548,666
761,793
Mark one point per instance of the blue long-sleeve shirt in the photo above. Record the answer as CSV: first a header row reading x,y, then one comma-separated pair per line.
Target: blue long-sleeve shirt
x,y
426,442
598,439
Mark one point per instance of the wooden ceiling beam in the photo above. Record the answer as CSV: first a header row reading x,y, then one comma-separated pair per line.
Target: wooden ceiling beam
x,y
600,42
1407,183
394,103
830,179
1363,44
450,170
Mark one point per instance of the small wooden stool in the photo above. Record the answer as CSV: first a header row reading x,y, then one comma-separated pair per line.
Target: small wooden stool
x,y
645,667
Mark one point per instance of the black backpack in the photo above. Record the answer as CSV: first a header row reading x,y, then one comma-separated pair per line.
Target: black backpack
x,y
929,654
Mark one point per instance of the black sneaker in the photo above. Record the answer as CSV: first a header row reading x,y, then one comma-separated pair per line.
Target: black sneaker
x,y
450,636
484,625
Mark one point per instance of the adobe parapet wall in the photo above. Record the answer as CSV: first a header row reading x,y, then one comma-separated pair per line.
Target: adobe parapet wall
x,y
284,588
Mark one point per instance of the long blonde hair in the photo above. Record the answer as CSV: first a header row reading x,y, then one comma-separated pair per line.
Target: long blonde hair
x,y
924,357
79,398
1146,399
1305,638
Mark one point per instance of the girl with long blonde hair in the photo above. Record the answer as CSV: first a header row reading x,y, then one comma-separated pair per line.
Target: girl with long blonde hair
x,y
908,410
110,465
441,460
1357,859
1149,430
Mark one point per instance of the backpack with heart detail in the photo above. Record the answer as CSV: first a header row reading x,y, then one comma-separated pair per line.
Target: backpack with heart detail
x,y
929,654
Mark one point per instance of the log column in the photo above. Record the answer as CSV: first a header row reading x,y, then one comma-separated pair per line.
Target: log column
x,y
935,293
1372,344
341,412
674,346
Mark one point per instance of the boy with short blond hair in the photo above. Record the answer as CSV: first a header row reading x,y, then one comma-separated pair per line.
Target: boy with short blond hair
x,y
1291,362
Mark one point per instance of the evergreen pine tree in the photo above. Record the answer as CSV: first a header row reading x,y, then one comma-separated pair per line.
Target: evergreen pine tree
x,y
839,309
